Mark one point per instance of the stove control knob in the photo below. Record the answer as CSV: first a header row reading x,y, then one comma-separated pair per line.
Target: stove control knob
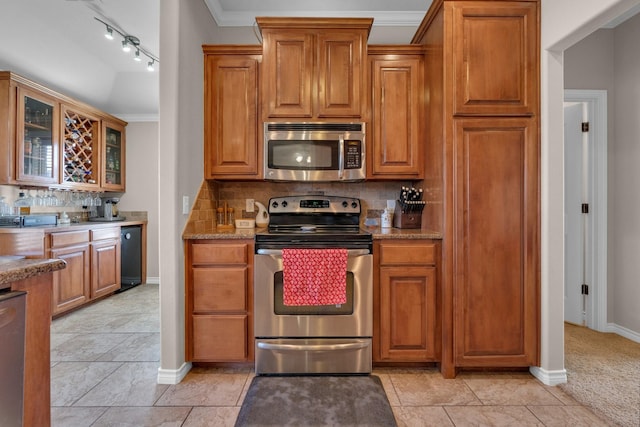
x,y
284,203
345,204
354,205
274,205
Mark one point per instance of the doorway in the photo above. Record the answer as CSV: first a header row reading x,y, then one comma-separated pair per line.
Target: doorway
x,y
585,189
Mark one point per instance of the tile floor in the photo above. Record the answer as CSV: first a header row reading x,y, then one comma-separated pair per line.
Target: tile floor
x,y
104,362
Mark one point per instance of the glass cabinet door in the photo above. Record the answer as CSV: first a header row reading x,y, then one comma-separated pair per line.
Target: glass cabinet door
x,y
80,148
114,151
37,138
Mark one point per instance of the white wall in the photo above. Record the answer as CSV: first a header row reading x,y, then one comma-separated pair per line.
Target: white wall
x,y
564,22
142,185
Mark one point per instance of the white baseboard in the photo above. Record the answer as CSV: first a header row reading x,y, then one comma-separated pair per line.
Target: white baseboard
x,y
549,377
153,280
173,376
623,332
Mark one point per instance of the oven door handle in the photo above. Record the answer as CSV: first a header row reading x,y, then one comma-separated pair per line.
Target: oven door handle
x,y
278,252
313,347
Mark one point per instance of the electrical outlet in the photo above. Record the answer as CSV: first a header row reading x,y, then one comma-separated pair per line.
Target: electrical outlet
x,y
250,207
185,205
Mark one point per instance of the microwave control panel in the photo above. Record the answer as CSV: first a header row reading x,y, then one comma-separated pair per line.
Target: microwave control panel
x,y
353,154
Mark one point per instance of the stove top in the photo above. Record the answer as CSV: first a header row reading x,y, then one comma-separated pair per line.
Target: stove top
x,y
314,221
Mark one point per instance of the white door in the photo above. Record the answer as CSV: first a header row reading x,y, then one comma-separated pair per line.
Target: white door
x,y
577,193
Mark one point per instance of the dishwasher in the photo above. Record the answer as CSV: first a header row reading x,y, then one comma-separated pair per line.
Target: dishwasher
x,y
130,257
12,330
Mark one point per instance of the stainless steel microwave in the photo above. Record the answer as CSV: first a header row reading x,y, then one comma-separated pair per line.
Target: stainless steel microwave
x,y
307,151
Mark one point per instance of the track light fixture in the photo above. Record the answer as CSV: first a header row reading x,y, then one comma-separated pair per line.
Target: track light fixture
x,y
130,43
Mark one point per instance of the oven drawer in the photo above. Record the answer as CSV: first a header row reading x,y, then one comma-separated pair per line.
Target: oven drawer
x,y
313,356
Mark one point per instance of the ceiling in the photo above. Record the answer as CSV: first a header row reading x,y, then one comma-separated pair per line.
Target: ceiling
x,y
61,45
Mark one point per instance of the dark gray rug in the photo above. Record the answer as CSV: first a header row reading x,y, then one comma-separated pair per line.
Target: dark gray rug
x,y
316,401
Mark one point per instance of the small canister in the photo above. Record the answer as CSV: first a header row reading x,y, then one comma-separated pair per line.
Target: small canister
x,y
385,220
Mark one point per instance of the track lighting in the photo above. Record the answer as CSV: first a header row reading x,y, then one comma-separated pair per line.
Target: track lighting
x,y
130,43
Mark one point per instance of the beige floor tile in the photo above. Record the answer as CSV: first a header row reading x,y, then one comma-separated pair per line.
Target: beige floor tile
x,y
71,380
142,416
132,384
431,389
560,416
421,416
562,395
511,392
212,416
70,416
205,390
494,416
86,347
137,347
389,389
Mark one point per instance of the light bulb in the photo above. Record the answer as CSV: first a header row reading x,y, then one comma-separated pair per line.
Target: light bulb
x,y
109,33
125,46
150,65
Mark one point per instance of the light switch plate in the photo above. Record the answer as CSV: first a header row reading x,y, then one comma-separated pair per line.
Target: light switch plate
x,y
185,205
250,205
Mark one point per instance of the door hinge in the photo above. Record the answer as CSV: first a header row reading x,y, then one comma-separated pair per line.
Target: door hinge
x,y
585,208
585,289
585,126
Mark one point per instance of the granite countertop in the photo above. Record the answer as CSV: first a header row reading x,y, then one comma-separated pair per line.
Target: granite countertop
x,y
14,268
249,233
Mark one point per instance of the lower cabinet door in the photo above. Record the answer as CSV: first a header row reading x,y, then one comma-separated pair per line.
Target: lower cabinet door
x,y
71,284
105,260
408,314
220,338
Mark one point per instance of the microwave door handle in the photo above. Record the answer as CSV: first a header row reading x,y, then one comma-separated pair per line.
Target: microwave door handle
x,y
341,157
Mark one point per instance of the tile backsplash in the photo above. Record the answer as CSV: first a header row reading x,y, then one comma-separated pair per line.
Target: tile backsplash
x,y
373,196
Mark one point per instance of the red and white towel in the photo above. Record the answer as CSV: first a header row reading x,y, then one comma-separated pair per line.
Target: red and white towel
x,y
314,276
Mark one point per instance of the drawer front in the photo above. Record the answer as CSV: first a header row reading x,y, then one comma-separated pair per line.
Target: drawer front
x,y
220,338
408,253
219,253
219,289
69,238
105,233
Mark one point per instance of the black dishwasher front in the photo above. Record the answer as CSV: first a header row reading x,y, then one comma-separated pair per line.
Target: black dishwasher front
x,y
131,256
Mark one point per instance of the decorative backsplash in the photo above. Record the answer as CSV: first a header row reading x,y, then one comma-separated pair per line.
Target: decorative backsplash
x,y
373,196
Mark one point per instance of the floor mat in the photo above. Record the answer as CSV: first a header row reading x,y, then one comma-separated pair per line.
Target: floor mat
x,y
316,401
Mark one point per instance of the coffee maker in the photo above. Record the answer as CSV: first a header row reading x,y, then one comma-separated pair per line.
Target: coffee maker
x,y
108,209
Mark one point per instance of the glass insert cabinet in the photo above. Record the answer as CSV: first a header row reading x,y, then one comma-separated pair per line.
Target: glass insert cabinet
x,y
38,134
59,142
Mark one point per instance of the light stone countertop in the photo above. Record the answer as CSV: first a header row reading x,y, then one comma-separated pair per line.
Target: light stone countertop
x,y
14,268
249,233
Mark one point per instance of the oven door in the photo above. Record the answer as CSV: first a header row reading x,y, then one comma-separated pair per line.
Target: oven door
x,y
274,319
313,339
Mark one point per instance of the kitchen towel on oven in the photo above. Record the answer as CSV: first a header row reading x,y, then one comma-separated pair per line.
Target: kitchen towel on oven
x,y
314,276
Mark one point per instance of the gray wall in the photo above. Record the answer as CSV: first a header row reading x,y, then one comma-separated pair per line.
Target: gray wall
x,y
609,59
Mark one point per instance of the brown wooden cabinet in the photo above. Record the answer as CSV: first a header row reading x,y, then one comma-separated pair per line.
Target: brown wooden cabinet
x,y
232,148
105,261
112,156
483,121
71,286
406,325
396,138
50,140
314,68
219,300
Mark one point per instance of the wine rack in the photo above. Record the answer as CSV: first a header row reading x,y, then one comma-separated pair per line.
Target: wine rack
x,y
80,148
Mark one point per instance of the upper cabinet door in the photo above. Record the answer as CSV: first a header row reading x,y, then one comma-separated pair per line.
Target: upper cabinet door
x,y
288,74
495,58
340,83
113,157
37,138
231,139
314,68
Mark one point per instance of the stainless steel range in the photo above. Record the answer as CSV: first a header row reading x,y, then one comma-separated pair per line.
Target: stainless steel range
x,y
316,338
